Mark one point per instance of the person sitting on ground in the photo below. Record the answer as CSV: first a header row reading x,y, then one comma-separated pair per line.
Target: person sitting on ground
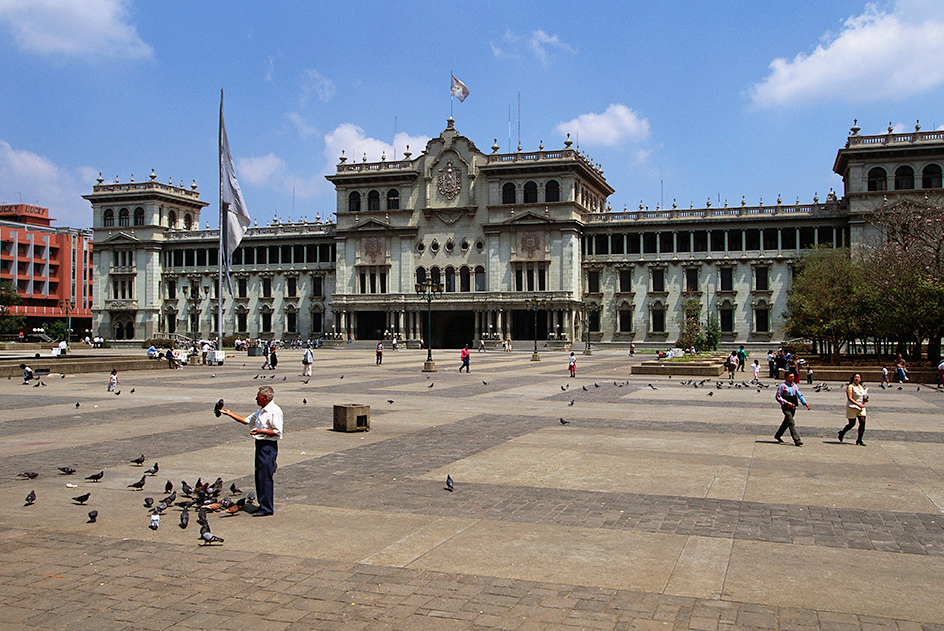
x,y
27,373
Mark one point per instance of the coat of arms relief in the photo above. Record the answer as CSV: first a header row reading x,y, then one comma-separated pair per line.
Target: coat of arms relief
x,y
450,181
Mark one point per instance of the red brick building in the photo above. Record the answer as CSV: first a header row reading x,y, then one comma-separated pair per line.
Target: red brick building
x,y
50,267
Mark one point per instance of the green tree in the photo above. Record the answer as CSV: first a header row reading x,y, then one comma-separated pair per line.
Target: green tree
x,y
10,323
56,329
826,302
691,334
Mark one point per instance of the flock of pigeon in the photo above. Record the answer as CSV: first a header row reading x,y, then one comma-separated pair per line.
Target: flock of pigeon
x,y
203,497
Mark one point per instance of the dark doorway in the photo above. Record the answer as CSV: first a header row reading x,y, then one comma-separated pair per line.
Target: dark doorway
x,y
453,329
370,325
522,325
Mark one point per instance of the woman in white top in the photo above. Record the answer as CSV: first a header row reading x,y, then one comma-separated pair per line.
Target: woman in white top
x,y
856,397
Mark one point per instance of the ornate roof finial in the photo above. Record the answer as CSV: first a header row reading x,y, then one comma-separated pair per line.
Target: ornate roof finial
x,y
495,146
541,146
343,157
568,142
743,200
891,128
193,186
709,203
153,177
917,125
100,179
132,178
383,156
855,127
407,154
674,203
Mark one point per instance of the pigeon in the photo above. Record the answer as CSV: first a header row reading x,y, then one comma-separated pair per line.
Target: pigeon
x,y
450,485
918,389
563,388
139,485
251,498
342,377
883,385
117,393
138,461
235,490
899,387
563,422
226,502
184,519
153,470
571,404
584,388
213,375
155,521
653,387
96,477
433,384
82,498
67,470
596,385
304,401
218,407
207,537
710,393
76,404
148,502
29,475
30,498
185,488
390,401
202,518
484,383
236,506
132,390
256,377
168,486
185,503
92,515
306,381
169,499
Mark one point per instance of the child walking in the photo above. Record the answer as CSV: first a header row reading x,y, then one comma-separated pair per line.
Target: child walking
x,y
113,381
572,366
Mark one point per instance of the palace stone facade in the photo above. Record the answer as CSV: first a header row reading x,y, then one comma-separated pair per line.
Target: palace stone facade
x,y
522,245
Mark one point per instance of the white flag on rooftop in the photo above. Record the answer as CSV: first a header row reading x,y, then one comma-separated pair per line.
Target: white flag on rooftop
x,y
459,90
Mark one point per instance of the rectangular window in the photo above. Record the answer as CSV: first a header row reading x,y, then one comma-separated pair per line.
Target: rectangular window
x,y
691,279
788,238
530,277
311,253
241,321
761,279
292,286
649,242
625,321
189,258
201,257
593,321
762,320
752,239
291,322
658,279
658,320
683,241
632,240
717,240
266,287
666,242
727,279
602,244
383,282
700,239
735,241
593,282
542,279
479,279
273,255
727,320
266,322
519,279
172,289
317,286
770,238
317,325
625,280
242,287
363,278
616,244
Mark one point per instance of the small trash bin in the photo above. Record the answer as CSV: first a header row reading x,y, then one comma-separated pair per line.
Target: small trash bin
x,y
351,417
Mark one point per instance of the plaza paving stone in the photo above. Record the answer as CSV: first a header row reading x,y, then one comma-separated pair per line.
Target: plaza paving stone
x,y
653,508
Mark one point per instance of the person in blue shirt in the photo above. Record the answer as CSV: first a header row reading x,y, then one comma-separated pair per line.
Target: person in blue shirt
x,y
789,397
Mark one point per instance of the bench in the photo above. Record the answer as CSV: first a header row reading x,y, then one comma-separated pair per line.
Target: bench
x,y
41,372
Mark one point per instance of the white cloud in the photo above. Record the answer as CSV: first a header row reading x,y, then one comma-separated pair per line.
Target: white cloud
x,y
350,139
617,126
538,44
29,178
301,125
75,28
313,82
876,55
260,170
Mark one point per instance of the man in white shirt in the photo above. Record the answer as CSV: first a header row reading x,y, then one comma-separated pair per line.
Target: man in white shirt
x,y
266,423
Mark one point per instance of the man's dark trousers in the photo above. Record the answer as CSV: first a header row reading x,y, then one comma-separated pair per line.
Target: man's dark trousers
x,y
266,453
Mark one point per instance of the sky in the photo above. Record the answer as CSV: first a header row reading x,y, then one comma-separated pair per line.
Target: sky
x,y
686,102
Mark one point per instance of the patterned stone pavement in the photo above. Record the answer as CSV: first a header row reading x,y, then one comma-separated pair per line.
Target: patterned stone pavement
x,y
653,508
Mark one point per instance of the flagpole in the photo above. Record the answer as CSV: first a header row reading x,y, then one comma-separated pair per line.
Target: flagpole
x,y
222,249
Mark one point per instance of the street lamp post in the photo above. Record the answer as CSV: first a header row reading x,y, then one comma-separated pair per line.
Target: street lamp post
x,y
535,305
428,290
588,308
68,306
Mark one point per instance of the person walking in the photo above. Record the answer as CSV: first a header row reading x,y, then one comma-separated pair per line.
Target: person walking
x,y
380,352
572,365
756,369
856,397
789,397
307,360
464,355
266,423
742,358
771,365
113,381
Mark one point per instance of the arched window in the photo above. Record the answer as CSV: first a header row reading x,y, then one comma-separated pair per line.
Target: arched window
x,y
393,199
931,176
552,191
172,219
373,200
508,193
123,217
904,178
878,179
530,193
354,202
464,280
188,222
450,279
434,274
480,278
108,218
139,216
420,275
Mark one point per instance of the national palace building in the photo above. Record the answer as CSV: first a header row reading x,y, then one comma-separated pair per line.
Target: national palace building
x,y
521,245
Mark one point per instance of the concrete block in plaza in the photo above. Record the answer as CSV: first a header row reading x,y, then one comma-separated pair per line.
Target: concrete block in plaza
x,y
351,417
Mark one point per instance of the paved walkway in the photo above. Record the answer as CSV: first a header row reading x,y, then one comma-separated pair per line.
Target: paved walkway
x,y
656,506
